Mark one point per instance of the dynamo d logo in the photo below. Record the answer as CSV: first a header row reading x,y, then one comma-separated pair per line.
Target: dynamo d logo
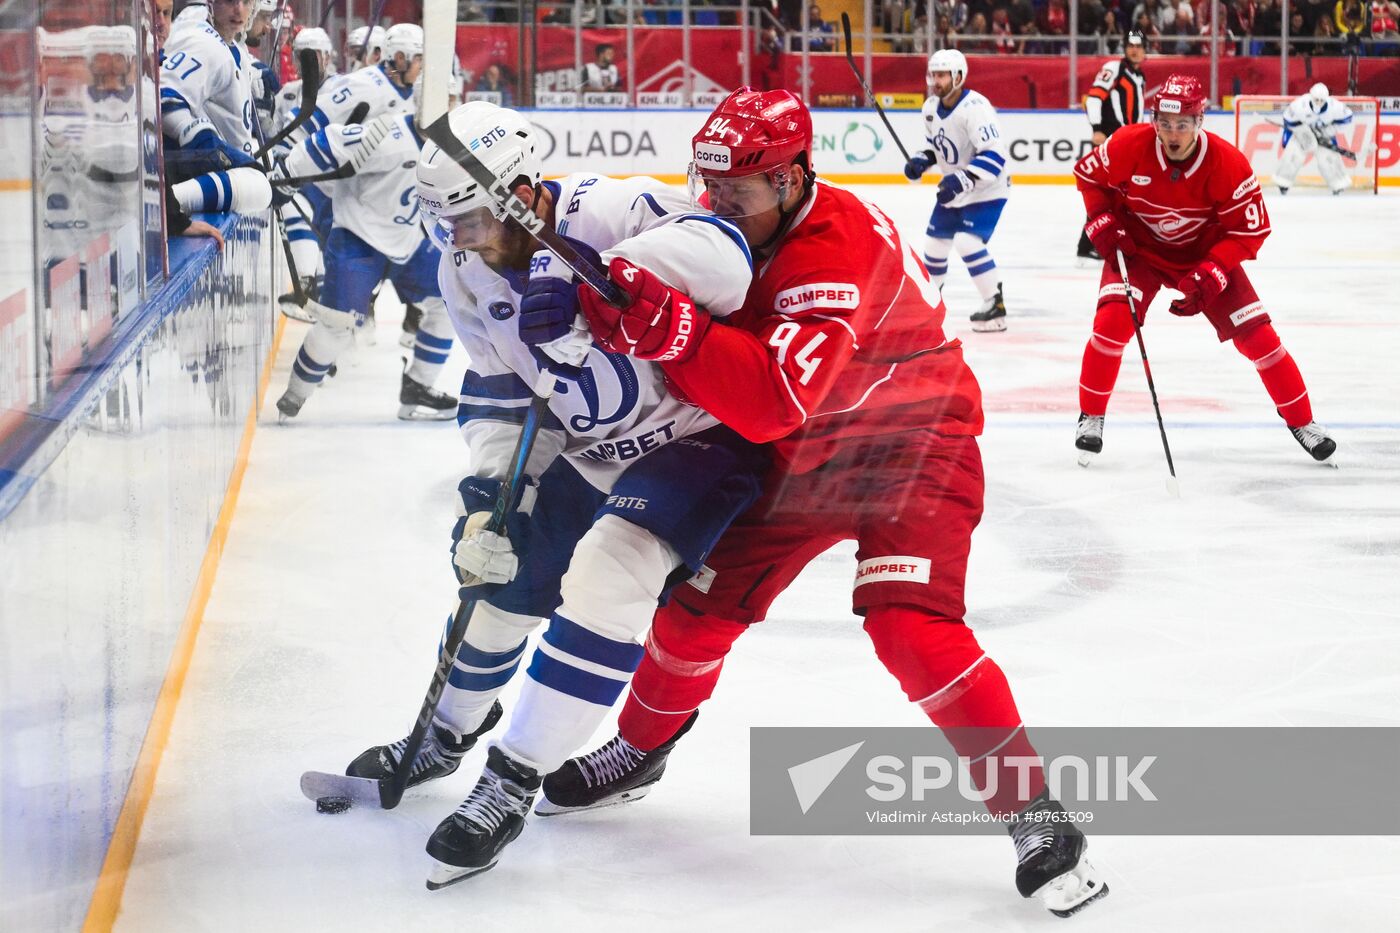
x,y
860,143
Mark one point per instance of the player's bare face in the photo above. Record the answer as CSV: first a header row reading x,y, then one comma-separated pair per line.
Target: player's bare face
x,y
228,17
940,85
411,72
1177,134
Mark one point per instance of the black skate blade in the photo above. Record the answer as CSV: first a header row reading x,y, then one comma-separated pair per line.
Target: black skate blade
x,y
366,792
443,875
1103,892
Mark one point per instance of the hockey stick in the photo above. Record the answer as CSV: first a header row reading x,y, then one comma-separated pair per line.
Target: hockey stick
x,y
1328,143
310,68
334,793
851,60
345,171
1172,485
440,132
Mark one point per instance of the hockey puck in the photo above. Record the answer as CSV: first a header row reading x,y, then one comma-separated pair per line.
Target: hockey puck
x,y
332,804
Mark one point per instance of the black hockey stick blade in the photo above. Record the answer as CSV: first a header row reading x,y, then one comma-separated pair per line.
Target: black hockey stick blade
x,y
869,95
440,132
358,114
310,67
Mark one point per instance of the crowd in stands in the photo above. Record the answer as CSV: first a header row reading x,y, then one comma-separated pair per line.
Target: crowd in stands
x,y
1172,27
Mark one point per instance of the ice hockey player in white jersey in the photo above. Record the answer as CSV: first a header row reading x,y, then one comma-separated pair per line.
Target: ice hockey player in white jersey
x,y
1310,127
364,47
386,87
375,235
964,141
308,203
206,89
628,488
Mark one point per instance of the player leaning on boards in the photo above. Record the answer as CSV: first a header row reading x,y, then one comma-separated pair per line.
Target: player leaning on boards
x,y
1310,125
965,143
1116,100
1184,207
629,488
839,358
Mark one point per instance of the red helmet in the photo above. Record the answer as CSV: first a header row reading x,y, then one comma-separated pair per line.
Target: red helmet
x,y
1182,95
751,132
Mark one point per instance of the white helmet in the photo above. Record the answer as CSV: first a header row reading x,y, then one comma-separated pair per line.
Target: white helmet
x,y
110,40
312,37
1319,94
403,37
502,139
364,41
951,61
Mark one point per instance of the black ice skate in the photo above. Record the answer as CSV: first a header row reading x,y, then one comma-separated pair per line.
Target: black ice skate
x,y
619,772
304,309
439,756
992,317
471,840
418,402
289,405
1086,254
412,317
1088,437
1050,860
1315,441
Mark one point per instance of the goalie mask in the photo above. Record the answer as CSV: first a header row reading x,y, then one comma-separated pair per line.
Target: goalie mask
x,y
456,210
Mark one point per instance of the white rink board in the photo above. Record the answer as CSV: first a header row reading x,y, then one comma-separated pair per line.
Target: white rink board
x,y
849,144
1265,596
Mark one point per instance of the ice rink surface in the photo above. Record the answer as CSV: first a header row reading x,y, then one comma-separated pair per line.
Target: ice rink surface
x,y
1268,595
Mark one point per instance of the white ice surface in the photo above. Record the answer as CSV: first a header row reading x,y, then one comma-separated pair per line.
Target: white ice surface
x,y
1268,595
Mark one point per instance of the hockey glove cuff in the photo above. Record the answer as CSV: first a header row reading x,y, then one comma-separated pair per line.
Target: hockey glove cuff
x,y
661,324
549,308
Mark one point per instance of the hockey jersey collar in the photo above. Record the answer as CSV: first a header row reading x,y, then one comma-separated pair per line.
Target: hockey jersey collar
x,y
1195,164
404,92
801,215
944,111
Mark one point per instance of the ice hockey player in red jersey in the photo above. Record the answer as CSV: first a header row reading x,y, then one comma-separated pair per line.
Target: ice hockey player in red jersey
x,y
1184,207
839,359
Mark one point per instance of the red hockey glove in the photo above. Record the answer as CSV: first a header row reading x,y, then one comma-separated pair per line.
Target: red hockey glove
x,y
1108,235
1198,288
661,324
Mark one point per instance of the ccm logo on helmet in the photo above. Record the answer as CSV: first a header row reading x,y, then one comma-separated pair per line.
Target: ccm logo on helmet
x,y
708,155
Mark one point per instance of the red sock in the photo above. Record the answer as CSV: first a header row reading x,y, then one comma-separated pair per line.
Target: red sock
x,y
943,670
679,672
1282,380
1103,355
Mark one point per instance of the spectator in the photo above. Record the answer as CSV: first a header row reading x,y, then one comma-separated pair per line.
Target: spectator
x,y
1003,43
1352,21
1184,30
1297,29
494,81
1111,34
1385,19
1022,15
770,50
1145,25
946,36
1054,21
974,39
1268,24
955,10
601,74
821,34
